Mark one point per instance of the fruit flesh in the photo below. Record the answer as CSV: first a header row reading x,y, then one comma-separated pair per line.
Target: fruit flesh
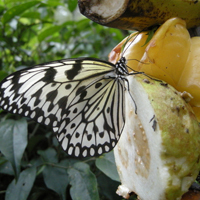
x,y
161,157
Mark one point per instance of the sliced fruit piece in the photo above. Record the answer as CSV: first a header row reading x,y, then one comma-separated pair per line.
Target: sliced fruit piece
x,y
158,155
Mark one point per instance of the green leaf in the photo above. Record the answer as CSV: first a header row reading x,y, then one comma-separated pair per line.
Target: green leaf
x,y
2,8
72,4
107,187
83,182
53,3
17,10
48,155
32,15
56,179
106,164
48,32
150,34
21,189
3,74
6,167
13,141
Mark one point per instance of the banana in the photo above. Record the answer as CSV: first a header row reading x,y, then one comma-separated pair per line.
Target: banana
x,y
158,154
140,14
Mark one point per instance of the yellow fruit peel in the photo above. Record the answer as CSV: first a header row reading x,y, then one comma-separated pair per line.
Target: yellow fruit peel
x,y
171,55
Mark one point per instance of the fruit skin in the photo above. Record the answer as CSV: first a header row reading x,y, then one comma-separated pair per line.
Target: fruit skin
x,y
171,55
158,155
140,14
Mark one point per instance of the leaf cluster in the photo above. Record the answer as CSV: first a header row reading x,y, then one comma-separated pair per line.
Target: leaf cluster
x,y
31,169
32,164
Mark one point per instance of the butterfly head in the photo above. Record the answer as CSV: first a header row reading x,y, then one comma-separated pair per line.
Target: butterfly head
x,y
121,67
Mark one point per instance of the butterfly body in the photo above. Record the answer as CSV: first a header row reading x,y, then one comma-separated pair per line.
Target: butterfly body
x,y
81,100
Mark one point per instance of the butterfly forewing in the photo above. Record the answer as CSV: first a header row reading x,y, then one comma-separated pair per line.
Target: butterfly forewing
x,y
81,100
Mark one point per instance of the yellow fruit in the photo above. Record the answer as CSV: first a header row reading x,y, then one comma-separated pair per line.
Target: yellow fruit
x,y
190,76
171,55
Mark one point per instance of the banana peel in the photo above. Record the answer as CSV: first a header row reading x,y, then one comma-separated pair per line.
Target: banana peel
x,y
140,14
158,155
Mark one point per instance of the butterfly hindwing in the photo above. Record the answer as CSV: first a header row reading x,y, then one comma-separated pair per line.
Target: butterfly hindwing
x,y
72,97
94,120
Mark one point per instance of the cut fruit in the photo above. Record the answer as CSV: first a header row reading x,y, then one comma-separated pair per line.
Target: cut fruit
x,y
158,155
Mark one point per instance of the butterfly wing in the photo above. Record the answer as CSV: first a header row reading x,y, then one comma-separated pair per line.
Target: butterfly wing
x,y
94,120
72,97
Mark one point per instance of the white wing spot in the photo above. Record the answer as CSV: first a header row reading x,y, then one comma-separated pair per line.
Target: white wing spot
x,y
40,119
55,123
5,106
20,110
92,151
62,126
84,153
70,150
107,148
47,121
2,103
113,144
61,136
77,151
33,114
10,108
55,129
100,150
65,143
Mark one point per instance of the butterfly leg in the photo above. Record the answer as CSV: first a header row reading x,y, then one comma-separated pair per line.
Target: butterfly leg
x,y
128,89
136,72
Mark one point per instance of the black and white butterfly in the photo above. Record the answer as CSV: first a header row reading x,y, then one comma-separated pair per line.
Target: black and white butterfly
x,y
81,100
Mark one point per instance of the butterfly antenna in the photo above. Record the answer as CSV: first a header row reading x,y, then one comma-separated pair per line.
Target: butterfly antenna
x,y
137,61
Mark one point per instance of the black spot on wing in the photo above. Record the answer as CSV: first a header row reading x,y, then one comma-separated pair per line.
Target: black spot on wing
x,y
77,134
83,95
73,125
37,94
75,70
62,103
68,86
89,136
52,95
79,90
108,110
75,110
97,85
82,92
49,75
95,129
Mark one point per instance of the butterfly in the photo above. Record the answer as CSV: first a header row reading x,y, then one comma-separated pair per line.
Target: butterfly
x,y
82,100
